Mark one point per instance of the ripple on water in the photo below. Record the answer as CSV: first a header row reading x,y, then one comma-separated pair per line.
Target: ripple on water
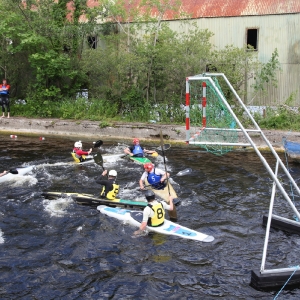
x,y
60,250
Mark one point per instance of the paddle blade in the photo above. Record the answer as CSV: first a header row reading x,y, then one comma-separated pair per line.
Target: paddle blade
x,y
98,144
154,154
184,172
98,159
164,148
13,171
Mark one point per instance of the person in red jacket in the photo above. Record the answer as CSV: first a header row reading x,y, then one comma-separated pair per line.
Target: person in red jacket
x,y
4,94
78,154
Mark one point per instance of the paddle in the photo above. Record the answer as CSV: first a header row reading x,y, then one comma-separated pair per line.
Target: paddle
x,y
159,148
184,172
13,171
97,156
98,144
172,213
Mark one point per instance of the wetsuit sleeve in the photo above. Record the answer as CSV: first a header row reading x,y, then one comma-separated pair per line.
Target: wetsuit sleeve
x,y
146,213
144,176
102,180
165,205
80,152
159,172
131,149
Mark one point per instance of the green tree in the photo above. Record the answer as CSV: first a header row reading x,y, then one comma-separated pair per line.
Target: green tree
x,y
47,42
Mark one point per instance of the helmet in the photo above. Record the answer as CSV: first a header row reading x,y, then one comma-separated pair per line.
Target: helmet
x,y
148,167
136,141
112,173
78,144
149,195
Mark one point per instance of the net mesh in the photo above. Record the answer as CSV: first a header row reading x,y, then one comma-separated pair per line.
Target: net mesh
x,y
220,124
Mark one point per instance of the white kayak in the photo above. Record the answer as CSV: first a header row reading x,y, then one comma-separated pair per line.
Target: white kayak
x,y
13,174
135,217
106,158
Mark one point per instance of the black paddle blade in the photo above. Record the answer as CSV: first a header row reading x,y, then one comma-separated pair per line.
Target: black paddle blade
x,y
13,171
98,144
98,159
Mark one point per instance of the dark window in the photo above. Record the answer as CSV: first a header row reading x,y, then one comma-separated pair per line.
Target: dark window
x,y
252,39
92,40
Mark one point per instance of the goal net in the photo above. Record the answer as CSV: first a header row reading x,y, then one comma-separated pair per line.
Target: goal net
x,y
213,126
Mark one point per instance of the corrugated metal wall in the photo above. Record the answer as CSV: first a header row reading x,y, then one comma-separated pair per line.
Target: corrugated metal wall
x,y
275,31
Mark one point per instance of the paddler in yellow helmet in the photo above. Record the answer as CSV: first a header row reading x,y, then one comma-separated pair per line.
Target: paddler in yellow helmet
x,y
110,188
154,212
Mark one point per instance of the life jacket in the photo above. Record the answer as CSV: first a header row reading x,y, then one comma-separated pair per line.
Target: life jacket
x,y
6,92
138,151
112,194
77,157
154,180
159,215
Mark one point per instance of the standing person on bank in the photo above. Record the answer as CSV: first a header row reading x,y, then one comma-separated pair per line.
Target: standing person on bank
x,y
137,150
4,94
154,212
110,188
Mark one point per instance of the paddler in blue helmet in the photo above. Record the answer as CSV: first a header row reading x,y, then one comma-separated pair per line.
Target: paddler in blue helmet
x,y
154,212
155,177
137,150
110,188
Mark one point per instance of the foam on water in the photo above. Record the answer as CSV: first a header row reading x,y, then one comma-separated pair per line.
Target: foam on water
x,y
57,208
1,237
19,180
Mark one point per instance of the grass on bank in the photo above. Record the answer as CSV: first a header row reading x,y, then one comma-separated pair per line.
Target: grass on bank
x,y
283,117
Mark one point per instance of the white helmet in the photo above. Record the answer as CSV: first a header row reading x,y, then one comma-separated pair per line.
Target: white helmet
x,y
78,144
112,173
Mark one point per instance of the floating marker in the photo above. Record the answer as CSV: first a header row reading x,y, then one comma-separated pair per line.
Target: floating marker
x,y
42,138
12,136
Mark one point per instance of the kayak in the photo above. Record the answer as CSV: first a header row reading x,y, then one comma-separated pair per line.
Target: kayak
x,y
15,173
106,158
134,218
91,200
163,193
140,160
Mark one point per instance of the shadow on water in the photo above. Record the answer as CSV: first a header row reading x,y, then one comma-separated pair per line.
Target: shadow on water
x,y
56,249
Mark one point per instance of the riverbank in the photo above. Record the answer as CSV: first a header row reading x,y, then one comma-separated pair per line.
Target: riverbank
x,y
80,129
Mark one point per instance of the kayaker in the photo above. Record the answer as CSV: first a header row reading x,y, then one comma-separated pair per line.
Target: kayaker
x,y
137,150
155,177
78,154
110,188
154,212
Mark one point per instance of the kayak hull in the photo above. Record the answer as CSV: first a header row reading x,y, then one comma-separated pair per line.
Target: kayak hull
x,y
91,200
164,193
140,160
134,218
106,158
21,171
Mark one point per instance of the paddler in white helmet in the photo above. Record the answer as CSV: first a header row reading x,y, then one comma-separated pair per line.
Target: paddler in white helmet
x,y
78,154
154,212
110,188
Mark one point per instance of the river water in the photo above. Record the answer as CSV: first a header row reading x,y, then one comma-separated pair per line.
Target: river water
x,y
57,249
